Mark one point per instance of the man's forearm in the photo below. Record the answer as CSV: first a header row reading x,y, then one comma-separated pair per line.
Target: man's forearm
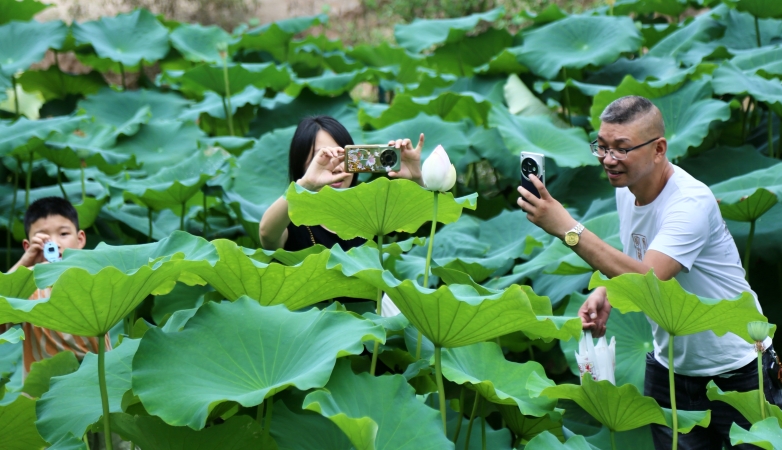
x,y
608,260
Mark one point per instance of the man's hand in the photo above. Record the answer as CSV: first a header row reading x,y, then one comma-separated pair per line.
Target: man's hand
x,y
325,168
595,311
545,212
411,159
33,253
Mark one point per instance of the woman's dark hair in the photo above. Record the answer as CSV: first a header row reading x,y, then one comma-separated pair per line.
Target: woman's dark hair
x,y
304,139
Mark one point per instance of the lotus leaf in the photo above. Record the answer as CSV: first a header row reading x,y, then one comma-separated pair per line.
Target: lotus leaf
x,y
422,34
284,111
41,373
52,83
740,32
21,10
667,7
463,57
521,101
298,286
16,135
118,108
765,434
689,38
576,42
212,104
25,43
198,43
633,341
766,61
322,433
71,155
377,412
162,144
149,432
764,9
548,441
12,336
450,106
73,401
196,81
371,209
495,439
568,148
127,39
331,83
723,163
485,369
275,37
747,197
17,426
677,311
241,352
729,79
744,402
527,427
458,315
19,283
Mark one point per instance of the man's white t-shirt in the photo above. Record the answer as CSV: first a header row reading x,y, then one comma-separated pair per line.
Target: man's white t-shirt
x,y
684,222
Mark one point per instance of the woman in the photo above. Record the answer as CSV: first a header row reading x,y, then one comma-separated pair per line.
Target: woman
x,y
316,159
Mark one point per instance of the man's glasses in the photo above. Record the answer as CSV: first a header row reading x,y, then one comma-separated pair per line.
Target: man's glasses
x,y
617,153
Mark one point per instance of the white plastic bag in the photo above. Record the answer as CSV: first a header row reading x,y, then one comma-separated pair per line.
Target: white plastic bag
x,y
599,360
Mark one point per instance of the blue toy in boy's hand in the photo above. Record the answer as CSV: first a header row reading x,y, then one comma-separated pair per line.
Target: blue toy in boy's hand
x,y
51,252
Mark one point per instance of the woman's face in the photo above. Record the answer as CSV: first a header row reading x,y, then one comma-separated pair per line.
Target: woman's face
x,y
324,139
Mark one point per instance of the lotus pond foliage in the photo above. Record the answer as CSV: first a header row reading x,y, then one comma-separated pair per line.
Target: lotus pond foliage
x,y
174,142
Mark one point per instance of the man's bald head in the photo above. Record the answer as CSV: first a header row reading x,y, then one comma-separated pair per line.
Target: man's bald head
x,y
632,108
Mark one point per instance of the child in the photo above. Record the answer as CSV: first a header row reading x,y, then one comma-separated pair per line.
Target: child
x,y
50,219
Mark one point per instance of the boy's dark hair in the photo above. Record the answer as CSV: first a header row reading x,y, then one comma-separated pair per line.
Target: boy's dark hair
x,y
49,206
304,139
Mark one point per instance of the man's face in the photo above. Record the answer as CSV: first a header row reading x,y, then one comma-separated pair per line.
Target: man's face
x,y
60,230
639,163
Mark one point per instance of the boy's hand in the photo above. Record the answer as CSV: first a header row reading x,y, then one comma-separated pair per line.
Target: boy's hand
x,y
34,253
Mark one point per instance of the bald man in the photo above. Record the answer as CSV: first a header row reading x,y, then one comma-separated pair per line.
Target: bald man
x,y
669,222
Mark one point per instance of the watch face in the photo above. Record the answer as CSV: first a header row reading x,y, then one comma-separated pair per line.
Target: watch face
x,y
571,238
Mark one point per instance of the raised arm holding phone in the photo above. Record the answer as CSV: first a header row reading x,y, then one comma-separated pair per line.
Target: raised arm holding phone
x,y
669,222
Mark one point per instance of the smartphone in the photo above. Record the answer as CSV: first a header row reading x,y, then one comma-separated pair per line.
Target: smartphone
x,y
372,159
532,164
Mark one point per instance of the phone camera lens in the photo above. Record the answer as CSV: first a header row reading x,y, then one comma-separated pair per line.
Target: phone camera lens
x,y
529,167
388,158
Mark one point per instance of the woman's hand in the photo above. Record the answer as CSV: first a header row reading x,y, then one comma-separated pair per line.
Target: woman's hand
x,y
325,168
411,159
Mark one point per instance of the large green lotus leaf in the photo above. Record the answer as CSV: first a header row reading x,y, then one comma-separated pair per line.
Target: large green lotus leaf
x,y
173,186
744,402
19,283
766,61
194,82
740,32
102,299
450,106
285,111
374,208
41,373
236,275
767,239
125,38
527,427
378,412
25,43
729,79
568,148
422,34
723,163
162,144
747,197
87,146
633,341
322,434
765,434
331,84
128,259
15,136
668,7
17,426
212,105
118,107
198,43
495,439
659,71
12,336
52,83
547,441
763,9
677,311
73,402
689,40
29,104
578,41
151,433
458,315
485,369
275,37
241,352
463,57
21,10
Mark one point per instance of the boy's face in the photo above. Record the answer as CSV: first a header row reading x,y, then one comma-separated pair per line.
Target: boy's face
x,y
58,229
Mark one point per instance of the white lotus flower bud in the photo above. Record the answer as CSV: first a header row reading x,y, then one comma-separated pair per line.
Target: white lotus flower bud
x,y
438,172
758,331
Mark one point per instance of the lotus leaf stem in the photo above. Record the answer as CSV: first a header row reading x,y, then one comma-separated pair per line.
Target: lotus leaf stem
x,y
16,97
259,413
28,181
182,218
757,31
472,417
373,365
59,183
760,381
83,185
438,372
267,421
613,440
86,441
104,396
13,215
149,215
132,445
672,388
461,416
206,211
122,74
428,264
770,133
567,97
227,96
483,429
748,248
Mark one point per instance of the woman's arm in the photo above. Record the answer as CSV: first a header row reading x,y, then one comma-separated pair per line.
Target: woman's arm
x,y
273,229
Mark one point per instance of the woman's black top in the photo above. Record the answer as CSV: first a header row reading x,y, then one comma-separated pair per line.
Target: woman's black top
x,y
301,237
